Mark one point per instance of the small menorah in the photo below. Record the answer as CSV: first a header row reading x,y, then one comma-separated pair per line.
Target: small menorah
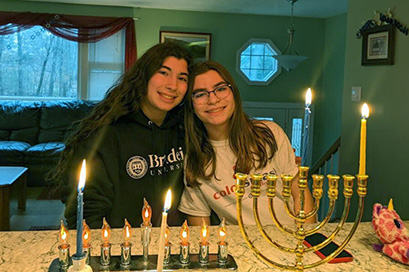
x,y
301,216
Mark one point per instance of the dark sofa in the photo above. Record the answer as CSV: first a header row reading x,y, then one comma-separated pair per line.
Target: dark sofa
x,y
32,133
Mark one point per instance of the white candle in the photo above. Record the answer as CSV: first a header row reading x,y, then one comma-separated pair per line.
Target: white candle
x,y
161,250
80,208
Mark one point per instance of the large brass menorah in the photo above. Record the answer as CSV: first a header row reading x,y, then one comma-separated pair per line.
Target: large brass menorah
x,y
301,216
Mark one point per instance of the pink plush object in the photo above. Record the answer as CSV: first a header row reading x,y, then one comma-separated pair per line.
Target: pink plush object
x,y
392,232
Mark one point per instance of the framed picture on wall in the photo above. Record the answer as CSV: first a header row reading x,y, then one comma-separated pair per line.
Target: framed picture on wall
x,y
197,43
378,45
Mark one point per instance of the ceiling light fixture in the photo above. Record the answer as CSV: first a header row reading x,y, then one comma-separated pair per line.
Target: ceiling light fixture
x,y
290,58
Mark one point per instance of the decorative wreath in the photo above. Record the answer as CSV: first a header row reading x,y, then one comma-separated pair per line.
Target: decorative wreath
x,y
379,19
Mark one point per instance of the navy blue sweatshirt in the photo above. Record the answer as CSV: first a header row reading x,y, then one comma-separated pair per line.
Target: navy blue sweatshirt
x,y
127,161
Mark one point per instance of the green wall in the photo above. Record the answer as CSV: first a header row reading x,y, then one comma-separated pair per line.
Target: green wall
x,y
229,33
385,89
328,102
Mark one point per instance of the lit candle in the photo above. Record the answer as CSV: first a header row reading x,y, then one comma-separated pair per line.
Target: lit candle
x,y
86,235
168,247
146,229
204,245
184,255
222,251
222,232
161,250
126,247
64,247
105,232
167,235
146,213
204,233
304,153
63,237
80,208
362,147
184,234
86,238
127,232
105,246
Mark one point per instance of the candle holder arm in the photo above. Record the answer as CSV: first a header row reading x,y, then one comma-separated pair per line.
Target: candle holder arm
x,y
319,226
334,233
262,231
347,239
250,244
275,219
348,192
289,211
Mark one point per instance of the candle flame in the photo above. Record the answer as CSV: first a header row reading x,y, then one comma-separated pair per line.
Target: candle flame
x,y
106,232
81,183
146,213
63,236
167,235
308,97
184,234
365,111
168,201
204,234
86,234
127,231
222,232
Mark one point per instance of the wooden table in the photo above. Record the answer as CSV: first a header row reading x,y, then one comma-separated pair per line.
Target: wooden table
x,y
11,177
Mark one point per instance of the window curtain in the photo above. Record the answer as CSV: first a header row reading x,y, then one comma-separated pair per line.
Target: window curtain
x,y
83,29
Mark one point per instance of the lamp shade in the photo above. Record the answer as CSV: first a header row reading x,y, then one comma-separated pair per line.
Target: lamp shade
x,y
289,62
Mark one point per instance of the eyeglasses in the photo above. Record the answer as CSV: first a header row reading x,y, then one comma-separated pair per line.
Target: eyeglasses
x,y
221,92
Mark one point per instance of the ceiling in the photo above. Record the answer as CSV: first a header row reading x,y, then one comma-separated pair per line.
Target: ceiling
x,y
303,8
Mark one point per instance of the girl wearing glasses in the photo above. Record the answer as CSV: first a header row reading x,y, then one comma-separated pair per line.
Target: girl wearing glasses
x,y
222,140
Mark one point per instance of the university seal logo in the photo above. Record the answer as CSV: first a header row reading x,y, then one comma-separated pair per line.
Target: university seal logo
x,y
136,167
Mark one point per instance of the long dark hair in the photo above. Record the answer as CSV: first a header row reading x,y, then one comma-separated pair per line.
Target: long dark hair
x,y
252,141
123,98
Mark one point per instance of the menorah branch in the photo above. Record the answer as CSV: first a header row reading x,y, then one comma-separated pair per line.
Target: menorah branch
x,y
300,217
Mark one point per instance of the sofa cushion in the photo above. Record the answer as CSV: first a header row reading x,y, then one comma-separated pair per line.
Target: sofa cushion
x,y
40,160
12,152
58,117
44,150
19,121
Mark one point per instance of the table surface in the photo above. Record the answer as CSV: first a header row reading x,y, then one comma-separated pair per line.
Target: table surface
x,y
35,250
9,174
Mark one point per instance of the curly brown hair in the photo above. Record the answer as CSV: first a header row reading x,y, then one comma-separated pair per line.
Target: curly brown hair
x,y
123,98
252,141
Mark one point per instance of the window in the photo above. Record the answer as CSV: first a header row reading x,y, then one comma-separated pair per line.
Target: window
x,y
255,62
297,135
36,64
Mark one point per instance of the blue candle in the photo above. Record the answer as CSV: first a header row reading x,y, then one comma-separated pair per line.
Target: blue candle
x,y
307,115
80,209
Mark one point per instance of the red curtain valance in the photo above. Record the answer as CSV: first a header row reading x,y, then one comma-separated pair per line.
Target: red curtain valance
x,y
83,29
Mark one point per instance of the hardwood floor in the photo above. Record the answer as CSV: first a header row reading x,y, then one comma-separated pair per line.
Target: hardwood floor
x,y
39,214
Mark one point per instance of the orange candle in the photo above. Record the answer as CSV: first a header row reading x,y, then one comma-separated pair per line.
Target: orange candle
x,y
63,236
105,233
86,235
362,147
127,232
184,234
204,233
222,232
